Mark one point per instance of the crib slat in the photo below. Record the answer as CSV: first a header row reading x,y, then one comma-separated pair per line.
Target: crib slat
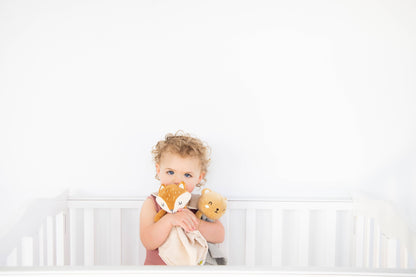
x,y
358,241
404,258
50,241
366,242
277,237
42,244
115,236
12,258
250,236
36,247
132,250
303,230
27,251
331,229
392,253
88,237
344,238
60,239
383,252
226,220
67,237
72,236
19,253
376,246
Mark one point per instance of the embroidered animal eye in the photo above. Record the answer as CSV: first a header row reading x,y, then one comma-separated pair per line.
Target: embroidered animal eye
x,y
210,203
180,203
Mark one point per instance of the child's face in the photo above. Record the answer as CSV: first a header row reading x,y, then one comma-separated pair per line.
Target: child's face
x,y
174,169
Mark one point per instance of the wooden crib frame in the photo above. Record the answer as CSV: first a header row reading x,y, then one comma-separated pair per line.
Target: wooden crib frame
x,y
319,235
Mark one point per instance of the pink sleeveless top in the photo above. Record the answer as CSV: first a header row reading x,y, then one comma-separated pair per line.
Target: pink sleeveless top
x,y
152,256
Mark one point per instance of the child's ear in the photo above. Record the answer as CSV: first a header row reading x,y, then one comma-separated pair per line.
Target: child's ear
x,y
157,168
201,176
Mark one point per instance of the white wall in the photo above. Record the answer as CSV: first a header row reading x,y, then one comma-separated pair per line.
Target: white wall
x,y
296,98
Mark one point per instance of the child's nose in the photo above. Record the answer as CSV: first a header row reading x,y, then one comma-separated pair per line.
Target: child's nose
x,y
177,181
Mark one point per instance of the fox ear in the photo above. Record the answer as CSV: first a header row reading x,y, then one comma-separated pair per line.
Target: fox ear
x,y
182,185
162,187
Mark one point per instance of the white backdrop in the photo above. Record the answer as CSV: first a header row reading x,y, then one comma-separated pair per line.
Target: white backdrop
x,y
296,98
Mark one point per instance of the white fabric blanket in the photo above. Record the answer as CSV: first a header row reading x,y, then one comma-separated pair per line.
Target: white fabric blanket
x,y
182,248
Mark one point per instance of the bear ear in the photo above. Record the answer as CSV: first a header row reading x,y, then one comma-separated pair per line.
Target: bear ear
x,y
182,185
204,191
162,187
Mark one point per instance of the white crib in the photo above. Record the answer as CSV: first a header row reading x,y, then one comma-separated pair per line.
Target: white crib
x,y
301,237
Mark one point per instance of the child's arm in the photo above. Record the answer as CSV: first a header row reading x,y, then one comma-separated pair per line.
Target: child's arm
x,y
153,234
212,231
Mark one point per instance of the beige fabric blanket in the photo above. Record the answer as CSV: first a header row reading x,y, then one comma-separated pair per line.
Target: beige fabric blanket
x,y
181,248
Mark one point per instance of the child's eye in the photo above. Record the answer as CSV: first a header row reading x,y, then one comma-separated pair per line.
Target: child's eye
x,y
170,172
187,175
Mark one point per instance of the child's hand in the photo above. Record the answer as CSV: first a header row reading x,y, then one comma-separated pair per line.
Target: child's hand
x,y
185,219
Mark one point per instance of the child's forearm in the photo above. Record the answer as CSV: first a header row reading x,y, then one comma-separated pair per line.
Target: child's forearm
x,y
155,235
212,231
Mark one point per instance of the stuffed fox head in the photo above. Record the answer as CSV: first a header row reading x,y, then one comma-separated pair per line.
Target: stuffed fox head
x,y
171,198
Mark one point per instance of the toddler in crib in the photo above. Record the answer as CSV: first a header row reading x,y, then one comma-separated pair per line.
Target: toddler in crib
x,y
178,158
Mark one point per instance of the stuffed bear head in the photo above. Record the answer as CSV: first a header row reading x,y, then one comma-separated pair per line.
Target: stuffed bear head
x,y
212,204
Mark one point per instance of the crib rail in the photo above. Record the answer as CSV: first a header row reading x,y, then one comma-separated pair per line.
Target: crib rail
x,y
205,271
262,232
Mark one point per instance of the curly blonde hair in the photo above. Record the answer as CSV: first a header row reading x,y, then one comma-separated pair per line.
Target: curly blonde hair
x,y
184,145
